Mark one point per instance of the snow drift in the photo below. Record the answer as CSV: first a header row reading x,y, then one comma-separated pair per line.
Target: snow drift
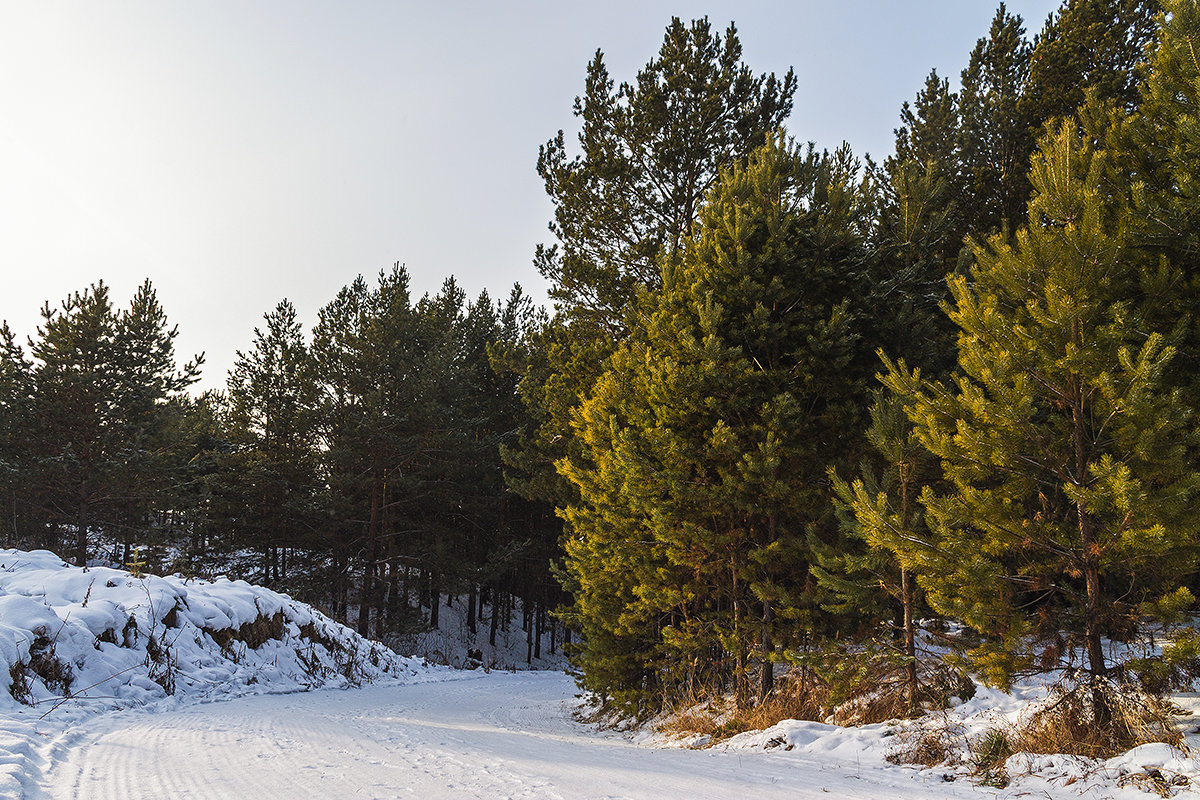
x,y
100,636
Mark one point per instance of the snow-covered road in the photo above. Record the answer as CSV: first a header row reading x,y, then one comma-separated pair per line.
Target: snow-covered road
x,y
481,736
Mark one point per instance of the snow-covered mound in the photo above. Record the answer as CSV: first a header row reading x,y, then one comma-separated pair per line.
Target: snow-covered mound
x,y
74,642
960,733
110,638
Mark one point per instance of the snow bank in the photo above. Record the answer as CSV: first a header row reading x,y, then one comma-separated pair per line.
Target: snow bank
x,y
106,637
1148,770
76,641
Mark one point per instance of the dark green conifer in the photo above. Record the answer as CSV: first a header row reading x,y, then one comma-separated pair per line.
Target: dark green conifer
x,y
705,441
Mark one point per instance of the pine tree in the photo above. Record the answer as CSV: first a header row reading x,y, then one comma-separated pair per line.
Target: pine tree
x,y
1087,46
368,352
1070,462
928,129
149,396
995,138
100,384
1159,145
881,509
706,438
649,151
16,484
269,476
916,243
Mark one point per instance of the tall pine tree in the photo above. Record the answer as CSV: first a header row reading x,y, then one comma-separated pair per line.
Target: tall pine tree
x,y
1070,463
706,438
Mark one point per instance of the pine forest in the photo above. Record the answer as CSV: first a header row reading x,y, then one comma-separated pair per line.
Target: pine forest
x,y
803,432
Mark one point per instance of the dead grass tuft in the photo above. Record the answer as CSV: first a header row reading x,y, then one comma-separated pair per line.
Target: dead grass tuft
x,y
884,694
860,688
796,696
54,672
929,742
57,674
1097,719
701,720
19,683
261,630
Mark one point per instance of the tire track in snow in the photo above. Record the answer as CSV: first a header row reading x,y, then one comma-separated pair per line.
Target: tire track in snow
x,y
482,736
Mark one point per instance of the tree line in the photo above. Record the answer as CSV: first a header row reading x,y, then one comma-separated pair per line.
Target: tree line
x,y
357,467
793,400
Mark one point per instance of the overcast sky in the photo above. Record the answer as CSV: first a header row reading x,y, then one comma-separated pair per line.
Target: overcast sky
x,y
237,152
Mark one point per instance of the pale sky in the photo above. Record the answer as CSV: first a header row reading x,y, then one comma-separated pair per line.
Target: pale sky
x,y
236,152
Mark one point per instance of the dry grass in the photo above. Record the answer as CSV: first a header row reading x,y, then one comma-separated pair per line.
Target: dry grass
x,y
19,683
797,695
254,634
1095,719
877,690
931,741
860,689
57,674
700,719
1068,724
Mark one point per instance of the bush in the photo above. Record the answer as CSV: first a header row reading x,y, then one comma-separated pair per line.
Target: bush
x,y
1097,718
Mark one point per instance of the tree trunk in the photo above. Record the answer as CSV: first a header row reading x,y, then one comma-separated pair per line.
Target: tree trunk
x,y
367,599
741,685
1089,548
81,527
908,596
435,599
528,633
539,614
495,620
1090,556
767,676
472,599
910,641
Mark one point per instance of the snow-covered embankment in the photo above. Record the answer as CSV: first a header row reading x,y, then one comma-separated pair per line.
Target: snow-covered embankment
x,y
76,640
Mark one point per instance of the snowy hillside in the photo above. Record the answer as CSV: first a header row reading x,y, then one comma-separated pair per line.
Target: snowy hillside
x,y
103,635
75,640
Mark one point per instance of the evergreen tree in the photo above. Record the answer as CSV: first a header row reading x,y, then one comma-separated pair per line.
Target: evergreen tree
x,y
1069,461
269,476
369,355
881,509
16,485
1160,146
916,246
649,151
706,438
150,400
996,138
100,384
928,129
1087,46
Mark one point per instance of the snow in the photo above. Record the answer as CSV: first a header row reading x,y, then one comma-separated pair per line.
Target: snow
x,y
501,735
452,642
312,710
